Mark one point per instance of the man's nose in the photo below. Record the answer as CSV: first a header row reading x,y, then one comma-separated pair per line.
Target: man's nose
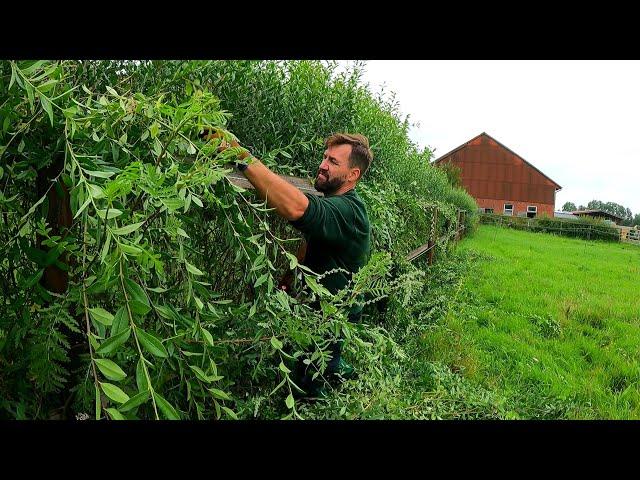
x,y
324,165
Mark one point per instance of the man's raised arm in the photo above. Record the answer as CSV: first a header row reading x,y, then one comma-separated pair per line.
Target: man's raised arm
x,y
288,201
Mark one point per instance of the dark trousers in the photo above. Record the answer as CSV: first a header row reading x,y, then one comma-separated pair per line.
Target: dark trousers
x,y
303,374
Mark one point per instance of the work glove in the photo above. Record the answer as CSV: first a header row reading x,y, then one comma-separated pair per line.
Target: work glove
x,y
211,134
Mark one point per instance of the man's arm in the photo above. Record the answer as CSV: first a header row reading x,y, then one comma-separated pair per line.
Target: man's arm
x,y
288,201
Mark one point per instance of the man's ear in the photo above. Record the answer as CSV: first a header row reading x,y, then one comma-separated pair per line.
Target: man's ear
x,y
354,174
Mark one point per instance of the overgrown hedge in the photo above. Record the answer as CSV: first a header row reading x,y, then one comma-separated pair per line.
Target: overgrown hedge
x,y
170,309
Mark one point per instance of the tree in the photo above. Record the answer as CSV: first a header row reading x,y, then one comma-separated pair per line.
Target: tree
x,y
569,207
454,173
613,208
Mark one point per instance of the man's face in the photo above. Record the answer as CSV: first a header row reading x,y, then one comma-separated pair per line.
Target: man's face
x,y
334,169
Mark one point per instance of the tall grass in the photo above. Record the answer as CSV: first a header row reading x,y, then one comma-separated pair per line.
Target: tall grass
x,y
553,323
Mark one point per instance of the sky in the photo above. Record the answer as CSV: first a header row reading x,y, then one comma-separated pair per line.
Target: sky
x,y
576,121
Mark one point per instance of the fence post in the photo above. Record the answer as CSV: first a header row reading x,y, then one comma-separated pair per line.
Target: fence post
x,y
433,236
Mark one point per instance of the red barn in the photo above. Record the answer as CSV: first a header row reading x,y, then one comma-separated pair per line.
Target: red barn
x,y
500,180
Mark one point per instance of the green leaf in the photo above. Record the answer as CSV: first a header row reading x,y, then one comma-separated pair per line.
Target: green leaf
x,y
141,379
197,201
293,261
154,129
263,278
98,403
151,343
123,138
115,414
127,229
164,311
192,269
200,374
110,369
229,412
33,67
110,345
29,90
33,208
114,393
277,344
100,315
112,91
13,76
166,408
219,394
289,402
173,203
130,249
182,232
112,213
99,174
207,336
199,303
46,105
84,205
139,300
283,368
135,401
158,289
95,191
31,281
120,321
105,247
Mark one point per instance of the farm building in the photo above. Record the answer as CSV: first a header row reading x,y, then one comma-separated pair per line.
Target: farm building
x,y
599,214
500,180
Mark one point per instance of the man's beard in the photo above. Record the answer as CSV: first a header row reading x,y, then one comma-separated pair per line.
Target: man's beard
x,y
328,186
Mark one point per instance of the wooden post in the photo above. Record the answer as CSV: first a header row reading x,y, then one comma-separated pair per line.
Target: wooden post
x,y
59,219
433,237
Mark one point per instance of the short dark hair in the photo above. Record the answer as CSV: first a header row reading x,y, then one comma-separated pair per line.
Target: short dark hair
x,y
361,155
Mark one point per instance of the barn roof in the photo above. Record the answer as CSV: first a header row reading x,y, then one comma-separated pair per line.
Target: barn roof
x,y
597,212
558,187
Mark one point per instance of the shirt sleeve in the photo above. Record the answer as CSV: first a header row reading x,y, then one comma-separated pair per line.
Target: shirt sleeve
x,y
326,218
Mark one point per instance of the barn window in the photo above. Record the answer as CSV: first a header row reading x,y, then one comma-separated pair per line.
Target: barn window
x,y
488,210
508,209
532,211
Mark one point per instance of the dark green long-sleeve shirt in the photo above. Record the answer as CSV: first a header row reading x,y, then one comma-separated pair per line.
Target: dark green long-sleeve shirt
x,y
337,231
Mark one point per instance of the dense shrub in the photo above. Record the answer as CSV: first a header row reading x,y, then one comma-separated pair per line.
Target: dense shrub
x,y
153,295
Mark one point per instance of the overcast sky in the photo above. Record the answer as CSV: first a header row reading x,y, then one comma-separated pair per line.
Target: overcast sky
x,y
576,121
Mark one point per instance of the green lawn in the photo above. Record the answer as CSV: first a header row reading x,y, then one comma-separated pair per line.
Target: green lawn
x,y
551,323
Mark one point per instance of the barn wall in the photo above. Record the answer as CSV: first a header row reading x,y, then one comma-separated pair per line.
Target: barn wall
x,y
490,171
518,207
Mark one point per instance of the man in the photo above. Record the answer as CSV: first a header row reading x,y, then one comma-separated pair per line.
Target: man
x,y
335,227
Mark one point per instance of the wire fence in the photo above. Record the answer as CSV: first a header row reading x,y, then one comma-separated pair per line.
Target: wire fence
x,y
567,228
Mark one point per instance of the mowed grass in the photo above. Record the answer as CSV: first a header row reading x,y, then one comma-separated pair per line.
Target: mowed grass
x,y
551,323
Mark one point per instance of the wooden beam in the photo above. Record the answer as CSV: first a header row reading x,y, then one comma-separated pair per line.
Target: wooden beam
x,y
303,184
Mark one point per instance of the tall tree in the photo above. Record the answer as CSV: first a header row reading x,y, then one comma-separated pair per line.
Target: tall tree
x,y
613,208
569,207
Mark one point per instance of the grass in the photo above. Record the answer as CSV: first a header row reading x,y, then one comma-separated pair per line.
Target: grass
x,y
550,323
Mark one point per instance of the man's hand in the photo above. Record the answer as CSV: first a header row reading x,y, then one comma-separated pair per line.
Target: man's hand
x,y
211,134
288,201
